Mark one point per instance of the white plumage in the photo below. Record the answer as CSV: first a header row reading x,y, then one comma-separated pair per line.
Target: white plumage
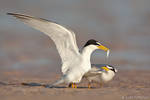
x,y
100,73
74,63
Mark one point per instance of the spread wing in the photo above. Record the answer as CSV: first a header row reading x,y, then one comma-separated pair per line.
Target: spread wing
x,y
63,38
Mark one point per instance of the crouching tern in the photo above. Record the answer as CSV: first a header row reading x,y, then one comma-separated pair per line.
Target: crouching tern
x,y
100,73
74,63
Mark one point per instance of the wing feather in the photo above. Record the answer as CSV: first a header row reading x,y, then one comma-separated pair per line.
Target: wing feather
x,y
95,70
63,38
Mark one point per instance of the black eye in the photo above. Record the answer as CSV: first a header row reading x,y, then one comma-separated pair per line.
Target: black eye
x,y
114,70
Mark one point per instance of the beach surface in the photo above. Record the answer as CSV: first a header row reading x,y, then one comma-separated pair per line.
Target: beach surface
x,y
127,85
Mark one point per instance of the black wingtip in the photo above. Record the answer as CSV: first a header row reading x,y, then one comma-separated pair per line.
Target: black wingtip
x,y
14,14
18,15
10,13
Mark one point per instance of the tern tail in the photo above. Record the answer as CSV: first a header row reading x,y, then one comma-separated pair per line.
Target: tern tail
x,y
54,84
58,82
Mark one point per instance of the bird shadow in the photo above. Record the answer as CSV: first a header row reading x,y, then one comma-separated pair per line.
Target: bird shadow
x,y
33,84
3,83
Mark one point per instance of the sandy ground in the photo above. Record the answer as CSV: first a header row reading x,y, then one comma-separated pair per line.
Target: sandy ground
x,y
127,85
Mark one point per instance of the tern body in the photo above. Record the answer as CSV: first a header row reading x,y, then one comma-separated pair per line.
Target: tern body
x,y
100,73
74,63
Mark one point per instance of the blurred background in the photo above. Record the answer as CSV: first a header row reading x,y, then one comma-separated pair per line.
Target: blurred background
x,y
121,25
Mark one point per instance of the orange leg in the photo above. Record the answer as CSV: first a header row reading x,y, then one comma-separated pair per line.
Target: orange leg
x,y
75,86
89,85
72,85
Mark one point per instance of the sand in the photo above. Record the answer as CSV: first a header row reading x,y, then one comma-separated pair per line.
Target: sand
x,y
127,85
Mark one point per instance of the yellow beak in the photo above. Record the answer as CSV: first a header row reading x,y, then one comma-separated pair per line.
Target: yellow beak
x,y
103,48
105,68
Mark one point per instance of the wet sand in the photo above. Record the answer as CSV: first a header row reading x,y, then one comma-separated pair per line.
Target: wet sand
x,y
127,85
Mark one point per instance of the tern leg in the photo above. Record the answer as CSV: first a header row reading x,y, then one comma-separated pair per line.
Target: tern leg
x,y
89,85
75,86
72,85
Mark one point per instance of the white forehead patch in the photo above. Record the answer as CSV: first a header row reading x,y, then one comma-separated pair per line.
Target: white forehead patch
x,y
98,43
109,67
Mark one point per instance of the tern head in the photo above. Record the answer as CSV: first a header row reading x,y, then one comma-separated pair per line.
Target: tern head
x,y
109,67
97,45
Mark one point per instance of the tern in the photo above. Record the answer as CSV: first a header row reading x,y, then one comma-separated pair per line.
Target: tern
x,y
74,63
100,73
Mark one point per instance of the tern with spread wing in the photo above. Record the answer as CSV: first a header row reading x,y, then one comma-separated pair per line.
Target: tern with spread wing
x,y
74,63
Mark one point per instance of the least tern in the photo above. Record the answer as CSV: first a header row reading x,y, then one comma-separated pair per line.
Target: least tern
x,y
100,73
74,63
